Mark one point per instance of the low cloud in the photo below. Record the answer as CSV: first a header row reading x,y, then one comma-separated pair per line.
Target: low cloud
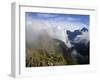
x,y
83,38
38,27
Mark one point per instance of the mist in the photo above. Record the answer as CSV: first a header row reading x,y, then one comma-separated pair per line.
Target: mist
x,y
39,27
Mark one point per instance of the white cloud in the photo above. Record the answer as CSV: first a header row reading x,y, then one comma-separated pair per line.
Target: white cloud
x,y
72,26
83,38
60,33
38,26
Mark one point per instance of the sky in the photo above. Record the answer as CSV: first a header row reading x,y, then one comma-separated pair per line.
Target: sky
x,y
68,21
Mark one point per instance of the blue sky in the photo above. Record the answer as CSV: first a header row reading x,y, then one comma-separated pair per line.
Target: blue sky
x,y
68,21
59,17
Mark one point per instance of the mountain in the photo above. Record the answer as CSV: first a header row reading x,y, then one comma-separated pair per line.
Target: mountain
x,y
80,41
84,29
47,51
74,34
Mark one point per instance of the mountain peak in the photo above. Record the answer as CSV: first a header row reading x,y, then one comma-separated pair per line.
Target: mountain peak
x,y
84,29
